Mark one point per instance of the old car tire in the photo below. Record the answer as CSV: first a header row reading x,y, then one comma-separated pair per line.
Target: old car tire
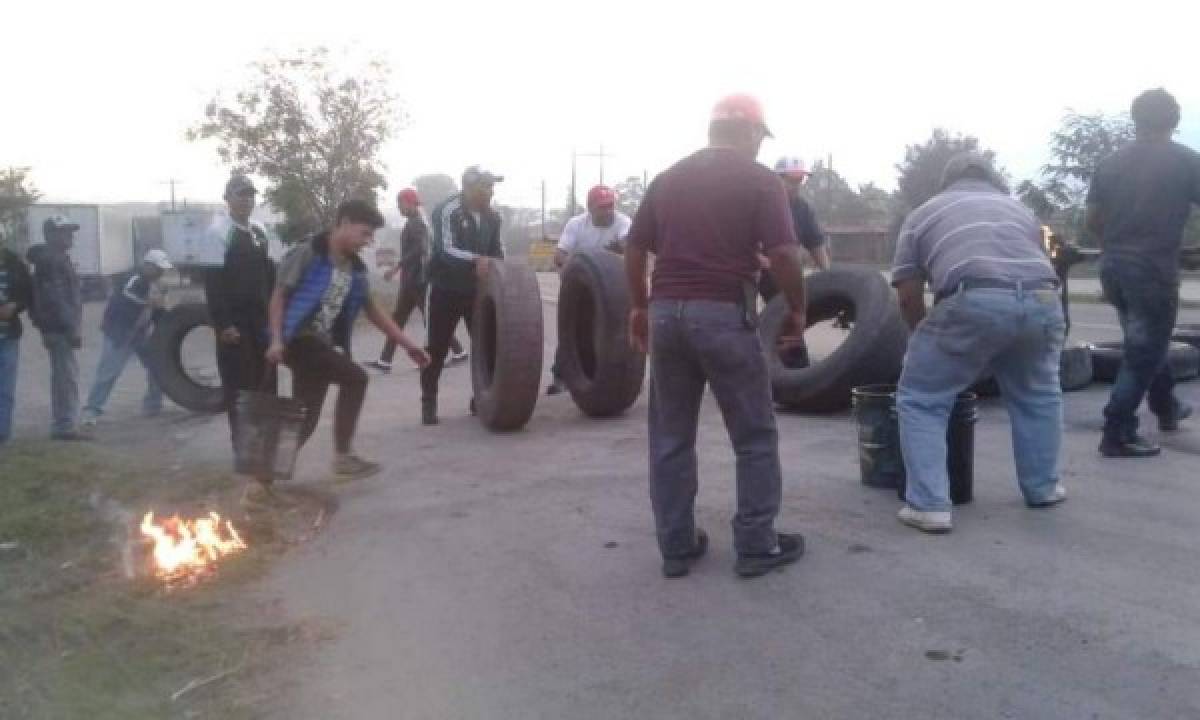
x,y
1183,359
166,359
872,353
1075,367
601,370
506,346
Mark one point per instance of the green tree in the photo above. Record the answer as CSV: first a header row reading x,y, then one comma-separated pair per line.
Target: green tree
x,y
17,192
837,204
435,189
921,171
1076,149
313,131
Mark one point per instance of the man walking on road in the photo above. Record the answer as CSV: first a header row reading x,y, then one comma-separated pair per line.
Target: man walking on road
x,y
58,314
128,322
1138,204
706,220
16,295
466,235
322,287
414,254
237,293
602,227
996,307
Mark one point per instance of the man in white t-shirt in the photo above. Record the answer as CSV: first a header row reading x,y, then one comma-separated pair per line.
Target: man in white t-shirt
x,y
602,227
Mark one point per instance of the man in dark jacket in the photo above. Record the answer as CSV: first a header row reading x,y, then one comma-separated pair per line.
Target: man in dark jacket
x,y
414,254
128,321
16,294
466,235
322,287
58,313
237,293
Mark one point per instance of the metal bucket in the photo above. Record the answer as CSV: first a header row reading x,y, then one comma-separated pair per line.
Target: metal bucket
x,y
268,435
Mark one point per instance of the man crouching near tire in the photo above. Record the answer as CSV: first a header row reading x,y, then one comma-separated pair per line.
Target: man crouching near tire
x,y
997,307
706,219
321,288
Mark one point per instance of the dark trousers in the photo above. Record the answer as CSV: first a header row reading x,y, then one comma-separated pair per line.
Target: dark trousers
x,y
694,344
446,308
243,366
1147,307
315,366
411,297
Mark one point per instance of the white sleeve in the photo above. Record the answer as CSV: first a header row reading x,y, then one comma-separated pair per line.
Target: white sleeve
x,y
623,224
569,238
130,295
449,238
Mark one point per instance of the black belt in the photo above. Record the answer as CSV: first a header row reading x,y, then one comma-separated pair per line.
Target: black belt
x,y
995,284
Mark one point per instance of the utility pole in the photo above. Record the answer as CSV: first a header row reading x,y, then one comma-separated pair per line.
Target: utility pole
x,y
543,211
574,161
601,155
172,182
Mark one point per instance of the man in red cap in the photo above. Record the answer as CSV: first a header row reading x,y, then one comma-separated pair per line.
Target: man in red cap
x,y
707,219
602,227
414,253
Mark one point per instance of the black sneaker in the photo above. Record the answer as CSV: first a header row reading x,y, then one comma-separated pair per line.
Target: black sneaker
x,y
473,408
429,412
555,388
381,366
675,566
1169,422
788,550
1133,446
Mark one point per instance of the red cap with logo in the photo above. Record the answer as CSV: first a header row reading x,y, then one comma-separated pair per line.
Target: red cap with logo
x,y
741,107
408,196
601,196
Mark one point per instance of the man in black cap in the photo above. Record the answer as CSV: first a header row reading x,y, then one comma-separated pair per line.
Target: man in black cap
x,y
58,314
466,234
237,292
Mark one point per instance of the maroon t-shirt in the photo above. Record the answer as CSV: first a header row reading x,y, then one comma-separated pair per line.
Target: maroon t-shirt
x,y
706,219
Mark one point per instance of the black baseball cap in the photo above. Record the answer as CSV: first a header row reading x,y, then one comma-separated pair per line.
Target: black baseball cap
x,y
239,184
58,222
476,175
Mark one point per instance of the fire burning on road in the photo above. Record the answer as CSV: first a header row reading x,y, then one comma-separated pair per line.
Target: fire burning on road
x,y
185,549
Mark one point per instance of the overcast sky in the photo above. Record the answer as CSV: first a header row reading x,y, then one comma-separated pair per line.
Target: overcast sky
x,y
98,95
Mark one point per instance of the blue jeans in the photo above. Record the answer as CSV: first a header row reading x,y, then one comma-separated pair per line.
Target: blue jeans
x,y
9,356
112,363
1019,335
64,382
1147,307
693,344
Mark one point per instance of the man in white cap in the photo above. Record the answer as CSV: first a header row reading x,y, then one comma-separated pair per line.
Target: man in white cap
x,y
128,321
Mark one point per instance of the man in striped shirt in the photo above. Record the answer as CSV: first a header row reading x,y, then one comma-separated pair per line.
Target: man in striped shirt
x,y
996,307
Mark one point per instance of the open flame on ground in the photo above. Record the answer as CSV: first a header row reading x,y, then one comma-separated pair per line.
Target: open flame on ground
x,y
186,549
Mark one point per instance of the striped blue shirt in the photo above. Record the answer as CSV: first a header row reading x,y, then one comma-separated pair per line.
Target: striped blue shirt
x,y
972,230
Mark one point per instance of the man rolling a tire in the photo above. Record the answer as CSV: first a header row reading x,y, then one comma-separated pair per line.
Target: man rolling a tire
x,y
707,219
996,307
602,227
466,236
1138,205
414,254
322,287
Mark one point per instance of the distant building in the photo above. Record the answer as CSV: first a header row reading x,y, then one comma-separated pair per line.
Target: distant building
x,y
861,244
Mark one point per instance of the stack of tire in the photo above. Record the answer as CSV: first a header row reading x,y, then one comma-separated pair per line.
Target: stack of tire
x,y
872,353
1074,372
1182,357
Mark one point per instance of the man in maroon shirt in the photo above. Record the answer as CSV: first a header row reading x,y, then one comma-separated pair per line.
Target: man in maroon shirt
x,y
706,219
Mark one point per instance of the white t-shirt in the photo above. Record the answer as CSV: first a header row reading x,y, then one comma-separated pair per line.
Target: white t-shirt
x,y
580,234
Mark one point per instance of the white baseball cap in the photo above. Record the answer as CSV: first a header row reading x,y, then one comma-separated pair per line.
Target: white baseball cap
x,y
158,258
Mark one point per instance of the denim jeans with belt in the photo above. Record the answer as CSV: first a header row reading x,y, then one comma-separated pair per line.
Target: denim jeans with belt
x,y
696,343
1019,335
1147,306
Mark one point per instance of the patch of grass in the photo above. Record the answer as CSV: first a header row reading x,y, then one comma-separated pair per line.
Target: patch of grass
x,y
78,638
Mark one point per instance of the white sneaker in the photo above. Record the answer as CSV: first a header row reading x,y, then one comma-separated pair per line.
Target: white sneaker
x,y
457,358
88,421
1056,497
937,523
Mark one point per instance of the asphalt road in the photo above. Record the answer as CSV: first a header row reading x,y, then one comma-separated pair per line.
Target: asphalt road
x,y
516,576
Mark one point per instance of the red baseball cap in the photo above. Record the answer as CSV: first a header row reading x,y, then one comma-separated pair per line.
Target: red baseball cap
x,y
601,196
740,106
408,196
